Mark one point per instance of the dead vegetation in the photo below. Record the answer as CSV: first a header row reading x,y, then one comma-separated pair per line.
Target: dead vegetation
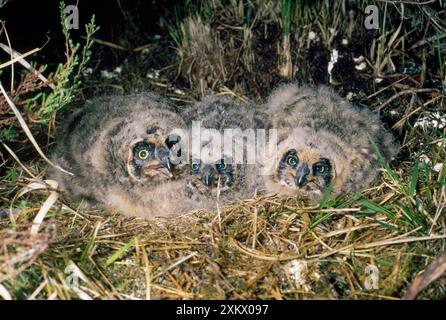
x,y
370,245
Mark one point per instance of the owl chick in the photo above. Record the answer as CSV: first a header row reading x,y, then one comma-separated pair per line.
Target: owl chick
x,y
226,174
322,139
119,148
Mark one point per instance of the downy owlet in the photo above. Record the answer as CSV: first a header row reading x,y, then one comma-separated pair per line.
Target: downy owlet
x,y
323,140
118,149
223,167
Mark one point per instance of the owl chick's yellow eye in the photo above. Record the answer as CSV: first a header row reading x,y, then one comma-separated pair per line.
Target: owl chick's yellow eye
x,y
319,168
292,161
143,154
221,166
195,166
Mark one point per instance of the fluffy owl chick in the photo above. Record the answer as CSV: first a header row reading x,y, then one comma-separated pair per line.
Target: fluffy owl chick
x,y
322,138
223,132
118,148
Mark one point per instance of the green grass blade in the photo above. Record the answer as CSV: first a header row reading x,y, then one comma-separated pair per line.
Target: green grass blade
x,y
88,248
321,218
326,195
286,16
413,181
115,256
412,218
386,225
377,208
383,162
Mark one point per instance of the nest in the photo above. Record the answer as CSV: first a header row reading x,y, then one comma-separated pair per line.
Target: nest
x,y
369,245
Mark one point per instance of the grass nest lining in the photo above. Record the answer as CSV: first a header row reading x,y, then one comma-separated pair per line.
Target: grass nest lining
x,y
267,247
370,245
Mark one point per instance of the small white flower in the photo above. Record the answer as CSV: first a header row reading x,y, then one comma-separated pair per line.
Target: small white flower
x,y
350,96
312,35
437,167
344,42
361,66
424,158
145,51
87,71
153,74
358,59
434,120
421,123
118,70
107,74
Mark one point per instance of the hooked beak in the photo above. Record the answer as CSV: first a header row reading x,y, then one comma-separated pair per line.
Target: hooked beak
x,y
166,166
157,167
162,164
302,172
208,175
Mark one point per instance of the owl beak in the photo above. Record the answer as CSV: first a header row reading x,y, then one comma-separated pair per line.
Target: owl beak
x,y
159,167
208,175
302,172
164,167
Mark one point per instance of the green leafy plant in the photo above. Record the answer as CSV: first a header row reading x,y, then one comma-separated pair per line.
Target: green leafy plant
x,y
67,77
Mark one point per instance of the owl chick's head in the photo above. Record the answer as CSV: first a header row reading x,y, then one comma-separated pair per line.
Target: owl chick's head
x,y
305,169
205,176
306,162
123,151
150,158
134,141
326,133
